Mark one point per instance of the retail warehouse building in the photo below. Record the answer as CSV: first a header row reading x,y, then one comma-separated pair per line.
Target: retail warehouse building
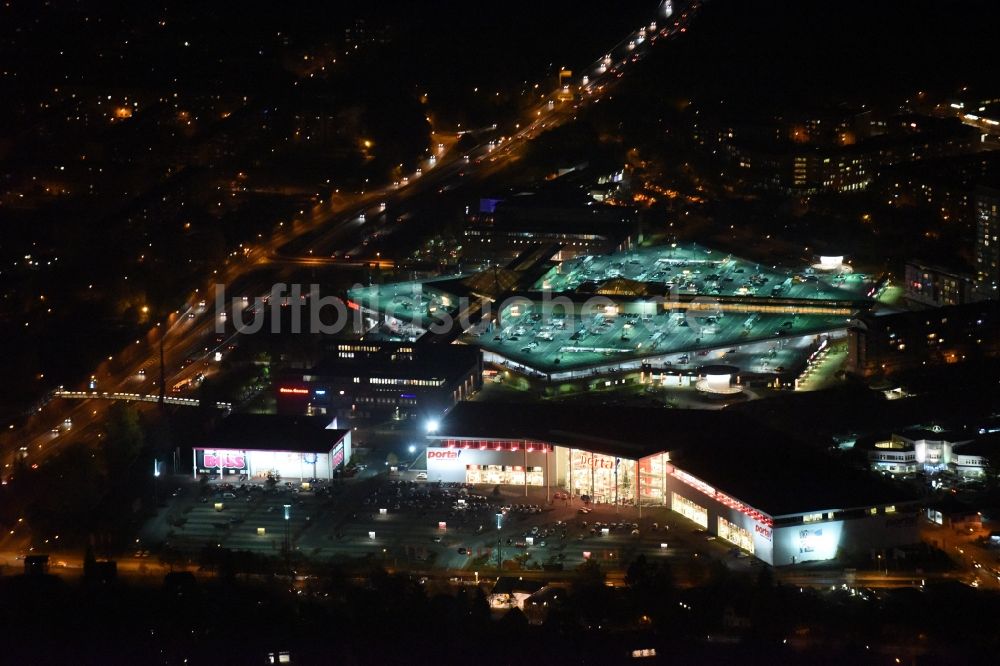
x,y
783,501
256,446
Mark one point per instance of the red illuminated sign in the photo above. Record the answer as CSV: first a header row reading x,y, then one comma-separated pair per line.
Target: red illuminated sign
x,y
444,455
338,455
763,531
288,390
497,445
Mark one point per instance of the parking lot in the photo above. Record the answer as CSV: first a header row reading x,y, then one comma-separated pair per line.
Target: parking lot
x,y
692,269
555,344
232,516
413,303
403,523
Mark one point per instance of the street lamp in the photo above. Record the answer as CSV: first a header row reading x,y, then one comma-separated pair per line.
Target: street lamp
x,y
499,556
432,426
156,481
288,518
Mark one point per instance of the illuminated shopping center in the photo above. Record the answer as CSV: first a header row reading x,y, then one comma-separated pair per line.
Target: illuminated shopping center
x,y
594,314
781,501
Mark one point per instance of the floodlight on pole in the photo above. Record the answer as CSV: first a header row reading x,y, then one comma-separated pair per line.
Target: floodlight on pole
x,y
499,554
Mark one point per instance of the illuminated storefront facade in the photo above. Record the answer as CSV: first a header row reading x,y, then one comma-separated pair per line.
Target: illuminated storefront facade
x,y
559,459
735,535
793,538
258,464
605,479
652,478
693,512
492,462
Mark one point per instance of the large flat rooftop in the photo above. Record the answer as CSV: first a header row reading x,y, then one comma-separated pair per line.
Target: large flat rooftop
x,y
418,302
690,269
675,299
553,344
271,432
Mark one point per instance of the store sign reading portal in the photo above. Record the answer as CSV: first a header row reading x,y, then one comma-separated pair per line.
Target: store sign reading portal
x,y
594,462
444,455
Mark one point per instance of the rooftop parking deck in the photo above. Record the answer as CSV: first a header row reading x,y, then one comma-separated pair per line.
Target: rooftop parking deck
x,y
550,344
690,269
683,300
416,302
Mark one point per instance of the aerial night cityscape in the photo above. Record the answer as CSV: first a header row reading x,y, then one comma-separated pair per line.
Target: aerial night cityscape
x,y
649,332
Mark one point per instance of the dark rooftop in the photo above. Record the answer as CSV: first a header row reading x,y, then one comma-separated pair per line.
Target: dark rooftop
x,y
743,458
269,432
622,431
510,585
782,477
933,435
426,361
984,445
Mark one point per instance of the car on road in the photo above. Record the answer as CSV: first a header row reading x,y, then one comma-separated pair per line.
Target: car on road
x,y
421,476
463,550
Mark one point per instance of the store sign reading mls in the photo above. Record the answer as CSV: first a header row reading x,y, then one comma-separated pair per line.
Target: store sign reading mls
x,y
224,459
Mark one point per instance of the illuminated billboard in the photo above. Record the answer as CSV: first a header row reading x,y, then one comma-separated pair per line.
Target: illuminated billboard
x,y
337,457
208,461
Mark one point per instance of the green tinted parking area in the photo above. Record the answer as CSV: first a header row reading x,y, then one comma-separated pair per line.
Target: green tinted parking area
x,y
554,344
691,269
417,302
